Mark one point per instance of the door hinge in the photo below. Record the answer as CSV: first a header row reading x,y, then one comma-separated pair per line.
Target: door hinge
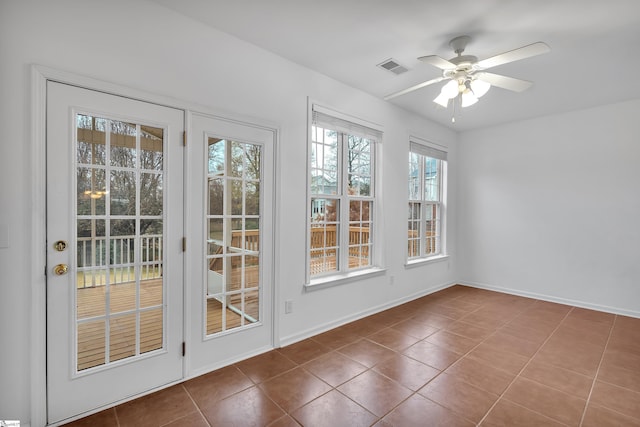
x,y
184,348
184,138
184,244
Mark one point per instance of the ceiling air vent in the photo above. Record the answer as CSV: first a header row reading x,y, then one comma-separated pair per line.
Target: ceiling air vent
x,y
393,66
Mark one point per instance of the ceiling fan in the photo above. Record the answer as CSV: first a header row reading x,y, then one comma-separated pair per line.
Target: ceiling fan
x,y
466,74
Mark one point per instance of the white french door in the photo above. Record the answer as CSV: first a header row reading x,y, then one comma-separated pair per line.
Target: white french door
x,y
230,244
115,184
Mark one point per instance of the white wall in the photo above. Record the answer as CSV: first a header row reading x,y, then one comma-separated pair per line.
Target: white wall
x,y
551,206
146,47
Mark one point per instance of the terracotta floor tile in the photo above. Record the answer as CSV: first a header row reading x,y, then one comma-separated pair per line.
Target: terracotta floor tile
x,y
597,416
364,327
366,352
590,319
157,408
481,321
469,330
376,393
500,359
628,323
462,304
622,359
551,308
194,420
625,343
545,400
265,366
573,343
419,411
294,389
250,407
431,354
433,319
621,377
464,399
442,359
393,339
591,316
217,385
304,351
539,318
530,332
106,418
397,314
508,414
510,343
582,358
371,324
334,368
452,342
571,330
481,375
561,379
616,398
406,371
415,328
334,409
285,421
337,338
498,312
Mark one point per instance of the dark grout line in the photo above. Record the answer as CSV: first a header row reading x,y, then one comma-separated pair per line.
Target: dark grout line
x,y
525,367
595,378
195,404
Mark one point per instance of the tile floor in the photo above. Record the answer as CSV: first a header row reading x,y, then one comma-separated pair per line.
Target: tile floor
x,y
459,357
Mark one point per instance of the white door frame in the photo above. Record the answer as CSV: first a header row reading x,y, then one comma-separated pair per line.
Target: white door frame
x,y
39,75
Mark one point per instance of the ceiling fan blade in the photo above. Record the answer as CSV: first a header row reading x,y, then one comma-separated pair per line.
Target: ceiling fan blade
x,y
416,87
513,55
505,82
437,61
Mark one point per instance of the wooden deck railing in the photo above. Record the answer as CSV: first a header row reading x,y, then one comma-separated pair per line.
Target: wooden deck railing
x,y
414,243
94,256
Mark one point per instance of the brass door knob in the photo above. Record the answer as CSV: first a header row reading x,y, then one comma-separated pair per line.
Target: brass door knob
x,y
60,269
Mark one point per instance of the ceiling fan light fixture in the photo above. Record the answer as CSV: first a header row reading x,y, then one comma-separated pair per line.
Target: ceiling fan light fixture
x,y
479,87
450,90
442,99
468,98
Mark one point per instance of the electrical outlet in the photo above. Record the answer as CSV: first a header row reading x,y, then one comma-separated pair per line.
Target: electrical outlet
x,y
392,280
288,306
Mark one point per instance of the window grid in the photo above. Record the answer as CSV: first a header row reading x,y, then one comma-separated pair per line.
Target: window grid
x,y
424,226
232,291
341,194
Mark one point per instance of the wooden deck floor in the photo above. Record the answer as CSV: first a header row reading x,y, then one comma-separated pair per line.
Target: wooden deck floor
x,y
91,302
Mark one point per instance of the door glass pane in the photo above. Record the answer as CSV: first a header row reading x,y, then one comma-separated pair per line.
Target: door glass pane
x,y
91,344
151,330
233,214
122,337
119,256
91,191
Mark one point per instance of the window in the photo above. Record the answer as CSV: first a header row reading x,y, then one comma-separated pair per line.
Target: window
x,y
427,169
341,195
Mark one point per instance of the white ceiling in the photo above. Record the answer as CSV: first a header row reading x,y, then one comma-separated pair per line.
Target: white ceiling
x,y
594,58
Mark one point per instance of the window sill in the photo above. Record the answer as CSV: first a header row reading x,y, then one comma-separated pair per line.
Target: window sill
x,y
340,279
423,261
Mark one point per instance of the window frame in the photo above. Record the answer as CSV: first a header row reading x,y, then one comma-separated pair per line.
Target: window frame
x,y
346,125
424,149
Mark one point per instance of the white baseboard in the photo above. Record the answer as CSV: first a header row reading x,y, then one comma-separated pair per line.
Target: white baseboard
x,y
551,298
291,339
